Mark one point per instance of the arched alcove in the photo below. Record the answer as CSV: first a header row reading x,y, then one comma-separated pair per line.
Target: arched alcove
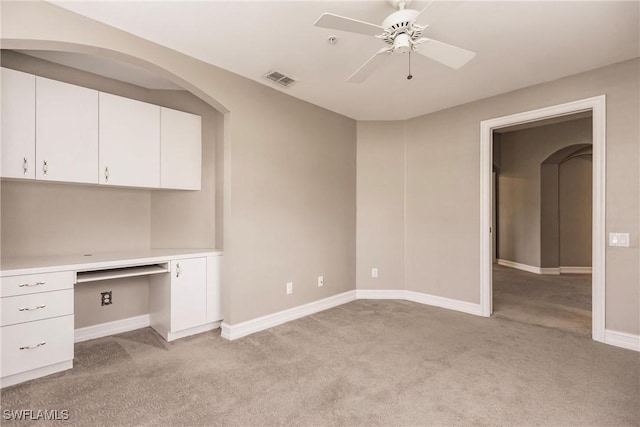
x,y
551,202
173,76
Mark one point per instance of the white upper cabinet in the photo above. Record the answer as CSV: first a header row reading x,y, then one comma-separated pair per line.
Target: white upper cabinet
x,y
181,150
66,132
129,142
54,131
18,124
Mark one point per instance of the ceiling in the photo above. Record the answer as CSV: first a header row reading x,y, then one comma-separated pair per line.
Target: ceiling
x,y
518,44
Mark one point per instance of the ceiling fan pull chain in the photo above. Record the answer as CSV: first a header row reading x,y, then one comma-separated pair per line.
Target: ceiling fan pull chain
x,y
409,77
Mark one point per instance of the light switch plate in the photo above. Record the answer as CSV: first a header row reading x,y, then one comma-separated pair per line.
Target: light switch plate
x,y
619,239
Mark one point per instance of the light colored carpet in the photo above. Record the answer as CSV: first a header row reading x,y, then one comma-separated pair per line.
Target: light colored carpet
x,y
368,362
562,302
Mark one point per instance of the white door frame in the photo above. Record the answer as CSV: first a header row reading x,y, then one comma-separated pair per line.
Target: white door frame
x,y
598,107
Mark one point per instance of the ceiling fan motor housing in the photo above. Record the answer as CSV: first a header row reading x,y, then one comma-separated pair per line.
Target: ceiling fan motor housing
x,y
400,18
400,30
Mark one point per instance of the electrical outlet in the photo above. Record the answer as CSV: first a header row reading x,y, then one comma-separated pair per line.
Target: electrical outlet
x,y
106,298
289,288
374,273
320,281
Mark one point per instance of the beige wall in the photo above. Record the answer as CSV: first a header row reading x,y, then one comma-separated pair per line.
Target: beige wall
x,y
575,211
442,170
520,234
187,219
292,206
130,299
380,195
289,166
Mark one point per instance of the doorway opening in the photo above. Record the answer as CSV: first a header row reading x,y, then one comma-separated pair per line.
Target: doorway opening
x,y
542,222
596,108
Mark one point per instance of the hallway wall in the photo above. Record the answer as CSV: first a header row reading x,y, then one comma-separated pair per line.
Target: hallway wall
x,y
520,234
575,198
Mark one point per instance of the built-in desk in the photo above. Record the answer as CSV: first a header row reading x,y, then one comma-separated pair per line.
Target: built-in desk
x,y
36,301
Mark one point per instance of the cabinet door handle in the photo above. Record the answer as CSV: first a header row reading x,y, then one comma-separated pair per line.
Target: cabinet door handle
x,y
29,347
178,270
45,168
106,174
25,165
22,285
37,307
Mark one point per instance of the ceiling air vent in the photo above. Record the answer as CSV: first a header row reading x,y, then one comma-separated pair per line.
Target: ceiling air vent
x,y
279,78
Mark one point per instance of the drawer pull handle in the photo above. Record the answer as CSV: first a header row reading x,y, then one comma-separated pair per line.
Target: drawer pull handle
x,y
178,270
22,285
25,165
27,347
37,307
45,168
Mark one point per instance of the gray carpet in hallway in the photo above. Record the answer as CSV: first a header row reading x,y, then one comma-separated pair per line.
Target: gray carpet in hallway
x,y
562,302
368,362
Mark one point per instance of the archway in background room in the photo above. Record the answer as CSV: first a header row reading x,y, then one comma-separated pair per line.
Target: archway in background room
x,y
555,246
597,105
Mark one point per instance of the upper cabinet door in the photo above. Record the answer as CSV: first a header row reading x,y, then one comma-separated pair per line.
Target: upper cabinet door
x,y
129,142
66,132
18,124
181,153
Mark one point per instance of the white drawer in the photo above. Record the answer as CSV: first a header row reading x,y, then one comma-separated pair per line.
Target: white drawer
x,y
37,344
32,283
27,308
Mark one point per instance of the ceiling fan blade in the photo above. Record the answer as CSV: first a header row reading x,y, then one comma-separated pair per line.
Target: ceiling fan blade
x,y
342,23
372,63
451,56
435,10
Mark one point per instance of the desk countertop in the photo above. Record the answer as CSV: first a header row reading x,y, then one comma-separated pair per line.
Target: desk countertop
x,y
13,266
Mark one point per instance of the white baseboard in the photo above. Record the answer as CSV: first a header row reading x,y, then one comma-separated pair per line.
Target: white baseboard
x,y
111,328
554,271
442,302
575,270
528,268
622,339
232,332
436,301
380,294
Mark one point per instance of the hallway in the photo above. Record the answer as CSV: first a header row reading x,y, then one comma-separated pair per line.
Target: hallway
x,y
562,302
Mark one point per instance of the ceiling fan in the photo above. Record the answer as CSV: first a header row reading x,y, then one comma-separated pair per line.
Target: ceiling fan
x,y
402,34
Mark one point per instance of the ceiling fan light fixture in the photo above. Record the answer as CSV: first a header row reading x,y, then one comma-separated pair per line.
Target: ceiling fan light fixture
x,y
402,43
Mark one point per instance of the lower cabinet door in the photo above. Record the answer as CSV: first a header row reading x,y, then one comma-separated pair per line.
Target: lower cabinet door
x,y
33,345
188,293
